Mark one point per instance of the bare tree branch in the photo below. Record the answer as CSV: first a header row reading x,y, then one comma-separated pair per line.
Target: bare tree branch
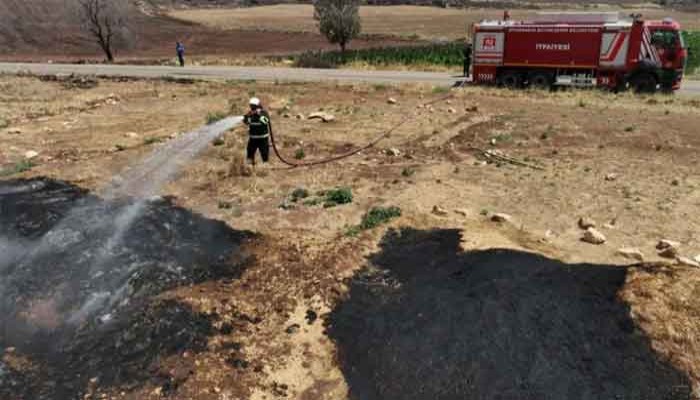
x,y
105,21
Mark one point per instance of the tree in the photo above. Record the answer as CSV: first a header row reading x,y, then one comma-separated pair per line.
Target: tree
x,y
338,20
106,21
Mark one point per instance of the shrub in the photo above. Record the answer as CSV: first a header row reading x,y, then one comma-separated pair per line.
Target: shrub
x,y
18,168
152,140
298,194
692,41
375,217
408,171
312,59
337,196
379,215
300,154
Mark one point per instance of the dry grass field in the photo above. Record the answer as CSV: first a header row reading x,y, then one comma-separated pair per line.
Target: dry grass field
x,y
405,21
320,314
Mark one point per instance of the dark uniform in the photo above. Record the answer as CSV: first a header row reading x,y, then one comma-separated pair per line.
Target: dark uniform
x,y
467,58
258,122
180,49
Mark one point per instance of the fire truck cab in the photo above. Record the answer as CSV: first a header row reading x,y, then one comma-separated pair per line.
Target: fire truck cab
x,y
580,49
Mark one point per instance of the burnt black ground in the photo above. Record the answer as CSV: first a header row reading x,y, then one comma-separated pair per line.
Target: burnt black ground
x,y
427,321
120,344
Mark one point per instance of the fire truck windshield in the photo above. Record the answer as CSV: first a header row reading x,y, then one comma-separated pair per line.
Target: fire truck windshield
x,y
667,39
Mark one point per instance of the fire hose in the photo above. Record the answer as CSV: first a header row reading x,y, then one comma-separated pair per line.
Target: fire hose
x,y
293,164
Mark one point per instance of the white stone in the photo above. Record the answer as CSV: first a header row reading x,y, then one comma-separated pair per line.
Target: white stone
x,y
632,253
687,262
393,152
30,154
593,236
132,135
611,177
325,117
391,100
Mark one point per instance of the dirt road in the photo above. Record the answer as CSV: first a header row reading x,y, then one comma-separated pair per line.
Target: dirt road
x,y
256,73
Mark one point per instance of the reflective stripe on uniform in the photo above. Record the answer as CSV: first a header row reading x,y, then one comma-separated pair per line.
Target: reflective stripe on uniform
x,y
260,136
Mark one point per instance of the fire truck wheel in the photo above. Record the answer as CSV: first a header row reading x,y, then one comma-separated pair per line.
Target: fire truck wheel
x,y
541,80
644,83
511,79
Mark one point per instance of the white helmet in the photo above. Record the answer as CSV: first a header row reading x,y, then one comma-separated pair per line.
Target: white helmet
x,y
254,102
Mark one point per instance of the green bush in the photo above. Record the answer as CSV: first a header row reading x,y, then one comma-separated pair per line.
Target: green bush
x,y
375,217
337,196
214,117
379,215
300,154
692,41
19,167
298,194
314,59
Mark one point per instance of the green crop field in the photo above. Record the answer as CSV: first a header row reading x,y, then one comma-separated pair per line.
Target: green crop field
x,y
443,54
692,41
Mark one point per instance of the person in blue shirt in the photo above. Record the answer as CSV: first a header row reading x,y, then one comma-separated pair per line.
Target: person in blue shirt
x,y
180,48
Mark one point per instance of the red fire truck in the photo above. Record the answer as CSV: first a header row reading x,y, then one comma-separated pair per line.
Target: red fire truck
x,y
580,49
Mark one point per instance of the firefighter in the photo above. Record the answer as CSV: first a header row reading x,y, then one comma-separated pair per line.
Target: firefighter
x,y
467,58
258,121
180,49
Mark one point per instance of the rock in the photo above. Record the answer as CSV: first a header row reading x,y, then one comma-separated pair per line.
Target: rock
x,y
472,109
299,116
493,141
697,258
668,248
14,131
461,211
631,253
669,252
451,110
437,210
132,135
593,236
501,217
391,100
325,117
676,182
30,154
665,243
393,152
586,222
611,177
687,262
286,115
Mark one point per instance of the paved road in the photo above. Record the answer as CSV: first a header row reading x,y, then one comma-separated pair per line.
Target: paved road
x,y
257,73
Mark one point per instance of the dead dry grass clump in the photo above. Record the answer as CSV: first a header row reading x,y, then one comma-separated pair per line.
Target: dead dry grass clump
x,y
665,302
